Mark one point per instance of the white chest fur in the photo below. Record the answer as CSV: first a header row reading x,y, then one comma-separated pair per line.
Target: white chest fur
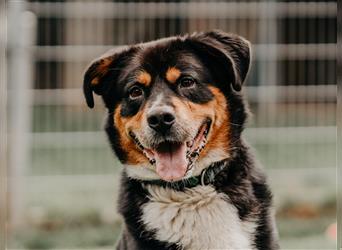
x,y
199,218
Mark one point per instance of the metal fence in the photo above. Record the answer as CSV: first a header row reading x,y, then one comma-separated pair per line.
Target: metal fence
x,y
56,142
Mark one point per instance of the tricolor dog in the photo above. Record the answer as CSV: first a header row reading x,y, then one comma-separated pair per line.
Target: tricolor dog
x,y
175,118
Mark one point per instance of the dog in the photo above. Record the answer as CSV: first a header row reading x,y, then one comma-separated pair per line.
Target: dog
x,y
175,120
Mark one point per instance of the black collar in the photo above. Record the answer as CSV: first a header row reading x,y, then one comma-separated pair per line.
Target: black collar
x,y
206,177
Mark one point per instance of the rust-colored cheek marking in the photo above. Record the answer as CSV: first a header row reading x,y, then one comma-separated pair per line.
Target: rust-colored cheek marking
x,y
144,78
123,125
172,74
219,137
101,70
215,109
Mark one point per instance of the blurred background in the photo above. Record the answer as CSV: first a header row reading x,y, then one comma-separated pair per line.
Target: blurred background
x,y
63,177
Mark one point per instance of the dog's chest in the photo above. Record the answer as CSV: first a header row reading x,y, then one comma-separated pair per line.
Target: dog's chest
x,y
199,218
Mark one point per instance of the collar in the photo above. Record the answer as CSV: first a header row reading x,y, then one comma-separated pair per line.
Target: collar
x,y
206,177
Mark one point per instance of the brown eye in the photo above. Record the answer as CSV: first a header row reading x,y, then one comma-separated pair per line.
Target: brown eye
x,y
187,82
135,92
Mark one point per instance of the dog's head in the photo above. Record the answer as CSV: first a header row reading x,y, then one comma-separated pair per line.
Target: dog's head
x,y
174,106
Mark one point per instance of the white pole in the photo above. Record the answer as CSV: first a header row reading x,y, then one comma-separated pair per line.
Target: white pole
x,y
22,31
268,70
3,126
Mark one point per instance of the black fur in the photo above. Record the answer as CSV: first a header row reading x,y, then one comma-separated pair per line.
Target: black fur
x,y
247,189
132,197
213,58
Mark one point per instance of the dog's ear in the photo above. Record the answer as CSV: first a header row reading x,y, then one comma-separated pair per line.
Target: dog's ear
x,y
103,71
227,55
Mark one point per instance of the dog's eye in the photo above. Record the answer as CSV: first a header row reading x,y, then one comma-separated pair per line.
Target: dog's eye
x,y
135,92
186,82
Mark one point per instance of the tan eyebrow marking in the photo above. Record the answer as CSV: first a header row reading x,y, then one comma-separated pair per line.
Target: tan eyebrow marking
x,y
144,78
172,74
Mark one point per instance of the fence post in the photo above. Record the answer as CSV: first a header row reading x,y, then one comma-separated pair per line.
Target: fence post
x,y
339,126
21,37
268,68
3,125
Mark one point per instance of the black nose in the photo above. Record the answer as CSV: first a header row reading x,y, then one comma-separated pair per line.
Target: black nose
x,y
161,121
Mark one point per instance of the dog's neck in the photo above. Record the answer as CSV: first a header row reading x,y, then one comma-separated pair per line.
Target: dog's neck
x,y
206,177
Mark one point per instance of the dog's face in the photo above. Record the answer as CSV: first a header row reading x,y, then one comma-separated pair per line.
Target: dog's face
x,y
171,102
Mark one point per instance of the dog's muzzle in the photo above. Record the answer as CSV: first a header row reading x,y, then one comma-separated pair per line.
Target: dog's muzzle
x,y
174,159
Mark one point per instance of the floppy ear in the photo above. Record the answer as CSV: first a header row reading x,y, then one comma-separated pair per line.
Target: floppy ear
x,y
228,55
102,72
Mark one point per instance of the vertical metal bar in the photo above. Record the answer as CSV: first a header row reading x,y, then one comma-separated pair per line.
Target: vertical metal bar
x,y
3,125
268,35
339,126
22,28
267,70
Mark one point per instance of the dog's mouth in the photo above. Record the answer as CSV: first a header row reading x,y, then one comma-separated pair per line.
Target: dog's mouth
x,y
173,159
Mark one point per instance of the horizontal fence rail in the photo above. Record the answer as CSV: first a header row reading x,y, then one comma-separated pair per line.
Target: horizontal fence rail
x,y
231,10
285,135
71,53
290,94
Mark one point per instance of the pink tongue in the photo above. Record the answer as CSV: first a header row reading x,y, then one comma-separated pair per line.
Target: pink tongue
x,y
171,165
